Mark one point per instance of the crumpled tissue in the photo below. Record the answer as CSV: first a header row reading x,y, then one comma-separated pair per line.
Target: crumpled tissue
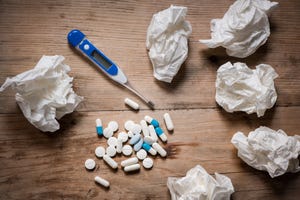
x,y
199,185
239,88
269,150
45,92
167,42
243,28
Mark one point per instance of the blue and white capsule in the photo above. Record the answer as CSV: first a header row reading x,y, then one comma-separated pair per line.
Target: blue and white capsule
x,y
99,128
148,148
151,121
161,134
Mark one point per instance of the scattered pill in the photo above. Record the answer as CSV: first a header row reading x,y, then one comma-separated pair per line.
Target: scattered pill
x,y
90,164
130,134
152,132
113,125
133,167
161,151
161,134
111,151
102,181
128,125
107,132
131,103
127,150
129,161
136,129
141,154
144,128
151,121
168,122
148,163
148,148
111,162
100,152
123,136
119,145
138,145
135,139
148,140
99,128
112,141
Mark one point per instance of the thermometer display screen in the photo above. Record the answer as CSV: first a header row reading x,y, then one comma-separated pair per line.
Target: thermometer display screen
x,y
101,59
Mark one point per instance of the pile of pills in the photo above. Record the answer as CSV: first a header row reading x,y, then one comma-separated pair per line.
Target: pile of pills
x,y
141,138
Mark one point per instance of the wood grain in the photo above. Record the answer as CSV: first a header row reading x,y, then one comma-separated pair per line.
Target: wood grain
x,y
35,165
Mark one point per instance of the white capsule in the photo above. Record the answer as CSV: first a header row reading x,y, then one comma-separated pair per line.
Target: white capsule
x,y
131,103
128,125
100,152
98,122
107,132
102,181
148,163
151,121
113,125
112,141
152,132
90,164
132,167
163,137
136,129
111,162
161,151
148,140
127,150
144,128
129,161
141,154
168,122
119,145
123,136
111,151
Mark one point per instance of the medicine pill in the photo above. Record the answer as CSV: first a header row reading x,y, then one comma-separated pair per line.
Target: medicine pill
x,y
107,132
151,121
119,145
149,149
112,141
161,134
100,152
144,128
141,154
101,181
168,122
138,145
130,134
111,151
149,140
113,125
152,132
90,164
136,129
128,125
123,136
131,103
135,139
161,151
148,163
129,161
127,150
133,167
99,128
111,162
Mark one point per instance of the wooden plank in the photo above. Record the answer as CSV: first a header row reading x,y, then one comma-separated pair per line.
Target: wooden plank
x,y
35,165
113,27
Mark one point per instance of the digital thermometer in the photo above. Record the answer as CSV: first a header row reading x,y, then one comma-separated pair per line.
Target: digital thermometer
x,y
78,40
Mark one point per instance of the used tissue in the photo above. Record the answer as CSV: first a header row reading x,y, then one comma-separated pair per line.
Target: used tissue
x,y
45,92
167,42
269,150
243,28
199,185
239,88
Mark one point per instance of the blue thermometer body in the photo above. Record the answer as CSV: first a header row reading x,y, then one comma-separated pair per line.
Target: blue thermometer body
x,y
78,40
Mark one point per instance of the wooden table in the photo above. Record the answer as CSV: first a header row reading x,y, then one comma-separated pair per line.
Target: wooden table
x,y
35,165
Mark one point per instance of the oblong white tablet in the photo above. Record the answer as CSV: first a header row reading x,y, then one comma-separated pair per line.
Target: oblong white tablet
x,y
168,122
133,167
100,152
127,150
113,125
119,145
129,161
141,154
101,181
161,151
111,162
144,128
152,132
131,103
90,164
148,163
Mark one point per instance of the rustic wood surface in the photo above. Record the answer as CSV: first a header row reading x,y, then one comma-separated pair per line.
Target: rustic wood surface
x,y
35,165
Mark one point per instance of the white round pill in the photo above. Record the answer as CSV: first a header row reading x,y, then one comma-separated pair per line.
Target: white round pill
x,y
148,163
100,151
112,141
111,151
127,150
141,154
113,125
90,164
128,125
123,136
136,129
107,132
